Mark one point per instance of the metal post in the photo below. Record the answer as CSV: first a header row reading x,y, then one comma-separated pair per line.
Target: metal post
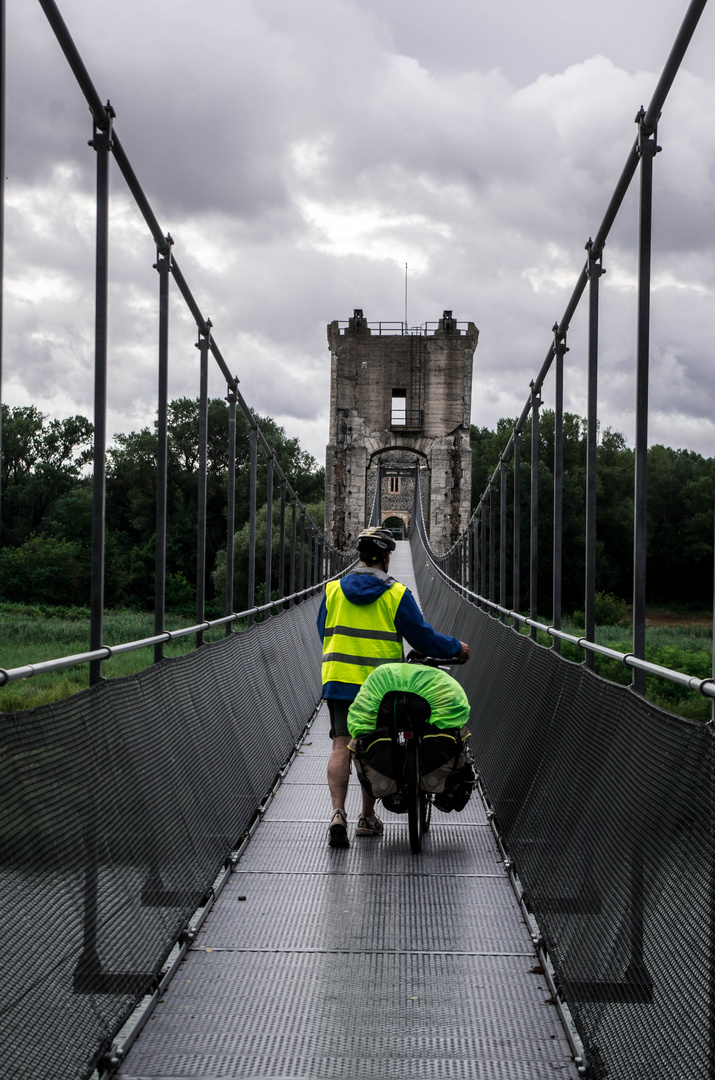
x,y
594,274
88,965
483,550
559,350
478,551
647,149
203,347
163,266
291,568
101,142
301,561
2,217
492,541
308,580
230,505
282,544
269,529
251,591
502,537
516,543
466,557
316,557
534,531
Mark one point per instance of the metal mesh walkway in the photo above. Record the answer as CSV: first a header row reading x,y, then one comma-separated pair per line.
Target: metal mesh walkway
x,y
362,964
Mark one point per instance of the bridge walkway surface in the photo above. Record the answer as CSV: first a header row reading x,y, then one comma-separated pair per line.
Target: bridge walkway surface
x,y
369,963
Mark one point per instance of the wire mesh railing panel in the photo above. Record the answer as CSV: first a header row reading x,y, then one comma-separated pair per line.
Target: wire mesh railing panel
x,y
118,808
604,803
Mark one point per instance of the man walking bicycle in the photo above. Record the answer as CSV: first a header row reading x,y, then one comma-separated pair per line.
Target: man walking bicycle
x,y
362,620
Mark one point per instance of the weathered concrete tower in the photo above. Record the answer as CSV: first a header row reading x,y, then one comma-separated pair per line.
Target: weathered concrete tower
x,y
399,399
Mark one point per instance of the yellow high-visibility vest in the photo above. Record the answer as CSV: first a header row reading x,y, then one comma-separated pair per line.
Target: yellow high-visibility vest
x,y
359,637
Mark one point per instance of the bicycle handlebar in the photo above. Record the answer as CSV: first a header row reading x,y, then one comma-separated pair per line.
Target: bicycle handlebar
x,y
414,657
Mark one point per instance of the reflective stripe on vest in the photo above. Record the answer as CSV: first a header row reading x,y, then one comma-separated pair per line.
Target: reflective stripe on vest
x,y
359,637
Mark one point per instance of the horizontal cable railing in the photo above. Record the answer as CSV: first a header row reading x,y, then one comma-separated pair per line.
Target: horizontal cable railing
x,y
491,545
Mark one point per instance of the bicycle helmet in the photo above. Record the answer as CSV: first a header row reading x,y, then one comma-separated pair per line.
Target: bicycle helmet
x,y
374,544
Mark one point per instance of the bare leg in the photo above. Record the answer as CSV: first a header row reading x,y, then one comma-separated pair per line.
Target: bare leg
x,y
339,775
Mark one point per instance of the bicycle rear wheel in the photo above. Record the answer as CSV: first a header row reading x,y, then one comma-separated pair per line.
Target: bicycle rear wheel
x,y
415,798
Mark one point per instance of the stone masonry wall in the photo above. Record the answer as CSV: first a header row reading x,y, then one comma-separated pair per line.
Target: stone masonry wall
x,y
434,372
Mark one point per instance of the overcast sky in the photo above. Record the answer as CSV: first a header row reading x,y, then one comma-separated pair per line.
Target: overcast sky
x,y
301,153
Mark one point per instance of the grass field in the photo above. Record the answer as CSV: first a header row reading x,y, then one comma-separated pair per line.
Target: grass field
x,y
30,635
678,639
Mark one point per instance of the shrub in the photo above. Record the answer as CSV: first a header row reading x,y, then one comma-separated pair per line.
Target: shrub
x,y
45,570
609,610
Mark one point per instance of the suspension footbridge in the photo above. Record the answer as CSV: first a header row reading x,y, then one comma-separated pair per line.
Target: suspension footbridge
x,y
173,909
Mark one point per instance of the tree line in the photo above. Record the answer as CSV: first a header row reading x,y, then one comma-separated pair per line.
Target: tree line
x,y
681,492
47,506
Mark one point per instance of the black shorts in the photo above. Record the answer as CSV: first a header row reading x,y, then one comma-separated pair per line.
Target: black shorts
x,y
338,717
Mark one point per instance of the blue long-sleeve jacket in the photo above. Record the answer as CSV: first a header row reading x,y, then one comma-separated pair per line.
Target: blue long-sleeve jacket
x,y
363,588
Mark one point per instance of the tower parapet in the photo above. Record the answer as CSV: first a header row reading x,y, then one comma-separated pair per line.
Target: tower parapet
x,y
398,397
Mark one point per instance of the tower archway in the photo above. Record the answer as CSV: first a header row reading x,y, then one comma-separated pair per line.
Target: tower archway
x,y
396,471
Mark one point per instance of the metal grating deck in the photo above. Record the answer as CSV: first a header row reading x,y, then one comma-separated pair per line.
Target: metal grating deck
x,y
361,964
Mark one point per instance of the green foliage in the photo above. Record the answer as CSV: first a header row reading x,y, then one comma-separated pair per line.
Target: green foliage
x,y
31,634
241,541
609,610
44,569
681,648
681,494
47,504
131,488
41,463
180,595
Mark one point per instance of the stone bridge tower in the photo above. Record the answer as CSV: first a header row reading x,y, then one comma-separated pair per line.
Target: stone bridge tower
x,y
399,398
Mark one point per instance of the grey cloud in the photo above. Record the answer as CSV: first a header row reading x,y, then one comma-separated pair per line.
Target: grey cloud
x,y
484,163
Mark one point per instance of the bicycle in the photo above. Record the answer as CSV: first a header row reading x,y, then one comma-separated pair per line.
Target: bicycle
x,y
402,724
